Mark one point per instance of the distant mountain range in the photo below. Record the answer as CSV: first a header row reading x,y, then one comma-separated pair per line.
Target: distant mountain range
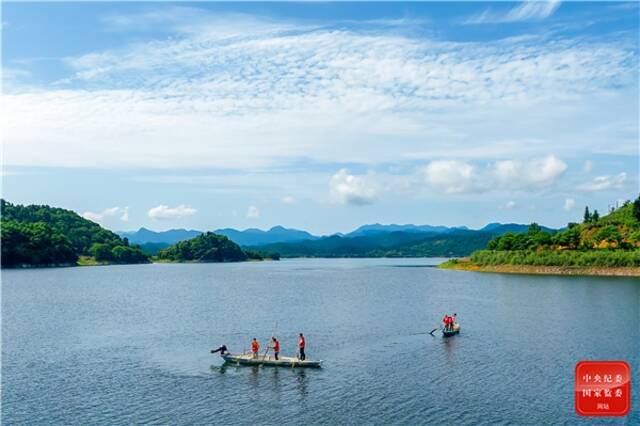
x,y
256,237
378,228
144,235
153,241
516,228
368,240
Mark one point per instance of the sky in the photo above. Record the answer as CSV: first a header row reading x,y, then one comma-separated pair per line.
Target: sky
x,y
320,116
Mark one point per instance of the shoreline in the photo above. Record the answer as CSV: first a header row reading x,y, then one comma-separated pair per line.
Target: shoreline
x,y
86,262
619,271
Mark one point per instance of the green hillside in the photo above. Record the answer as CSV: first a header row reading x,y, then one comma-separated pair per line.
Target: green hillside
x,y
209,247
609,241
39,235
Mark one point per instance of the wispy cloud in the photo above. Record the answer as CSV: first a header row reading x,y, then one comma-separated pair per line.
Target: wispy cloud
x,y
288,199
532,10
509,205
164,212
219,97
121,212
569,204
253,212
12,76
604,183
194,21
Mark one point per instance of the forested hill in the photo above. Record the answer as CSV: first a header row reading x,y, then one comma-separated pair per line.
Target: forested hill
x,y
39,235
609,241
209,247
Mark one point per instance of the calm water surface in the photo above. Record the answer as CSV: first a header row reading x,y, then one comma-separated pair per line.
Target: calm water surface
x,y
130,344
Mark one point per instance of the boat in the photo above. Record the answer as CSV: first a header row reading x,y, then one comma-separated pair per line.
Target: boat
x,y
271,361
449,333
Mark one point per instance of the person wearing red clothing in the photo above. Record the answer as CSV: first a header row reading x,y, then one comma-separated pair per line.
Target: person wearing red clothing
x,y
276,347
301,345
255,347
446,320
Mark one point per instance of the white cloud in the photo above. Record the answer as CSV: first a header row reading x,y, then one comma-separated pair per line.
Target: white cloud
x,y
509,205
288,199
604,183
240,97
530,10
535,173
100,217
449,176
587,166
569,203
253,212
164,212
350,189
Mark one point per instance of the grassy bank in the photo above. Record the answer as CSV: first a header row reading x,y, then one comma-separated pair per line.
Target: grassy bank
x,y
467,264
597,258
90,261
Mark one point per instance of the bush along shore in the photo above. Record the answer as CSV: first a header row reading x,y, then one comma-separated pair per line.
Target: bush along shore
x,y
608,245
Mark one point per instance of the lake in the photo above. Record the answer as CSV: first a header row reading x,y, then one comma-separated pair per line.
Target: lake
x,y
123,345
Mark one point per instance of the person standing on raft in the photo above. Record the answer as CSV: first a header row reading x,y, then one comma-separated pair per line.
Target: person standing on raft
x,y
255,347
276,347
301,345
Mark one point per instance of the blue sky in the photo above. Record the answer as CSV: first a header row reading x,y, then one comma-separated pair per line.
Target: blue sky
x,y
321,116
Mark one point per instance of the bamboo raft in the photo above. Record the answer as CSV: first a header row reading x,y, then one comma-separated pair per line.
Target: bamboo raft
x,y
282,361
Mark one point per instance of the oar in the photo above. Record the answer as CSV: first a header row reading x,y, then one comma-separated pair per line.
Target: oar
x,y
432,331
423,333
264,357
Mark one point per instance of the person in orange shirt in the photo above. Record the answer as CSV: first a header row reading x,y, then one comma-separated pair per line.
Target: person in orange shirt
x,y
301,345
255,347
276,347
